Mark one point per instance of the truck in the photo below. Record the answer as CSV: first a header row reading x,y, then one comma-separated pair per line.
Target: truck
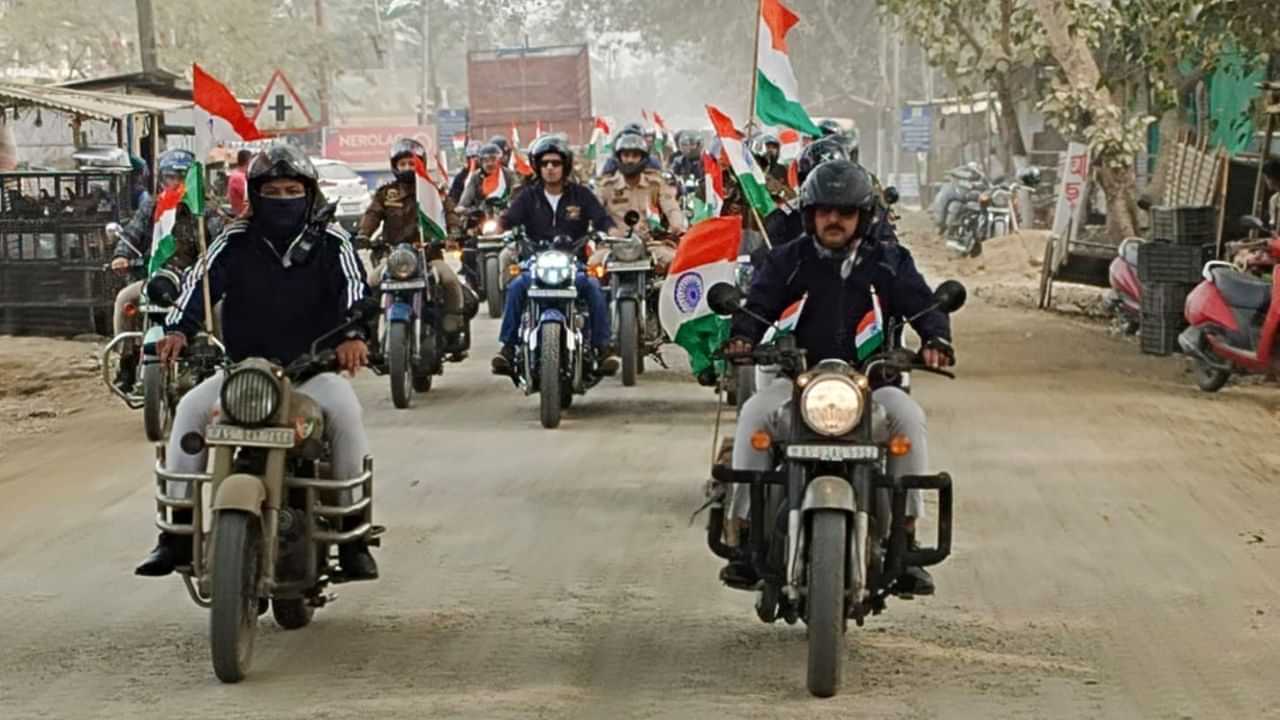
x,y
527,86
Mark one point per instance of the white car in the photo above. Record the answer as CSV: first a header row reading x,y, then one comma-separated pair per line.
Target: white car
x,y
339,182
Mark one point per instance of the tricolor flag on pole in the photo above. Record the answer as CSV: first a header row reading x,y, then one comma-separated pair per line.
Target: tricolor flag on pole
x,y
745,167
787,321
708,254
518,164
791,145
219,118
601,146
870,334
430,205
713,190
660,135
777,92
190,193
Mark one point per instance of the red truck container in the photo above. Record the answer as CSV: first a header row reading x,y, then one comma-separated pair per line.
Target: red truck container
x,y
525,86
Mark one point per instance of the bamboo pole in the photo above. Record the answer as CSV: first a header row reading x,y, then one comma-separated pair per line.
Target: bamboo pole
x,y
755,71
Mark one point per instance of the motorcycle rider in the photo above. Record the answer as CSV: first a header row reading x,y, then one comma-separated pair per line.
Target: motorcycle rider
x,y
491,162
688,161
838,263
767,149
611,162
286,276
135,243
555,206
637,187
459,182
395,209
787,222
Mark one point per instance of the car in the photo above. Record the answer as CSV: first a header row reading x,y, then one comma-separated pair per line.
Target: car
x,y
339,182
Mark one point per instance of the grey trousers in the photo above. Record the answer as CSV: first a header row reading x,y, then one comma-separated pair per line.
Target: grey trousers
x,y
343,424
902,415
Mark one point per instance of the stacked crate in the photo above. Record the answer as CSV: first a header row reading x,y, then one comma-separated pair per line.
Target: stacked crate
x,y
1183,239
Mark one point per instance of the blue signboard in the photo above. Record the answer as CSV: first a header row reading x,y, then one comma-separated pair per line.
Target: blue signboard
x,y
917,129
450,124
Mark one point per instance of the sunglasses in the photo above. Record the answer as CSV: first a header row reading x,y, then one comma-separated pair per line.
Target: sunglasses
x,y
844,212
552,163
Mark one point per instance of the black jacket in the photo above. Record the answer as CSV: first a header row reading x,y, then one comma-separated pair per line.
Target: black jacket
x,y
784,225
828,323
578,212
459,184
272,307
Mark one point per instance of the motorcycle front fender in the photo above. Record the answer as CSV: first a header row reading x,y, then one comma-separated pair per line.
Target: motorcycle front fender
x,y
154,335
240,492
828,493
399,311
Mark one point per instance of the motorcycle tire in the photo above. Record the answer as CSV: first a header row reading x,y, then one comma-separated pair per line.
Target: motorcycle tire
x,y
825,609
1208,378
492,289
746,386
628,341
155,407
233,612
422,376
549,380
399,366
292,613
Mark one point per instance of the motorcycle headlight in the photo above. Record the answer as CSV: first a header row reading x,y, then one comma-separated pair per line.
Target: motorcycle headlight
x,y
490,227
250,396
832,405
402,263
628,251
553,268
163,288
984,199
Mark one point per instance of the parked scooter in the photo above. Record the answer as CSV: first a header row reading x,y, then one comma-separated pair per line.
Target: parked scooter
x,y
1234,320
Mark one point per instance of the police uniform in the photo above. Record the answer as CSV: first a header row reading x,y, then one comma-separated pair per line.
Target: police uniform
x,y
619,197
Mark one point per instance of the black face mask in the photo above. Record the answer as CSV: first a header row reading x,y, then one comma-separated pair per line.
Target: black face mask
x,y
405,176
280,218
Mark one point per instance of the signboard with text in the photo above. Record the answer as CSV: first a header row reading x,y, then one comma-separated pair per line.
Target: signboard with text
x,y
1074,174
371,146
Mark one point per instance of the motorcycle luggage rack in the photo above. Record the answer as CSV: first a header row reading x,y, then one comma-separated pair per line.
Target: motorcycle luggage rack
x,y
900,556
133,400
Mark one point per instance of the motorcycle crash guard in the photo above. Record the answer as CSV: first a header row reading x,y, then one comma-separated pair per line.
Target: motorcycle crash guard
x,y
149,341
399,312
240,492
828,493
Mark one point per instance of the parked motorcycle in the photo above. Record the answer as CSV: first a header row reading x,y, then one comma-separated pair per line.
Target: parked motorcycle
x,y
987,209
276,513
634,288
1234,318
552,357
827,534
413,342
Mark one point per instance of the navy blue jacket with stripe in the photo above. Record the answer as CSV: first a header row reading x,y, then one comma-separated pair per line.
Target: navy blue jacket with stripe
x,y
272,307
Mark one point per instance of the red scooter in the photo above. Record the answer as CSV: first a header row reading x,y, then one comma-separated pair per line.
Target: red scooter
x,y
1124,299
1234,320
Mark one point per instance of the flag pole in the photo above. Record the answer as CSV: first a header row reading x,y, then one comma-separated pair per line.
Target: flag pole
x,y
755,70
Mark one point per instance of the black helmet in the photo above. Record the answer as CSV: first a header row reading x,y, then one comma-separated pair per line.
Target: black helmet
x,y
688,138
551,145
405,147
503,144
837,184
830,127
282,161
176,162
630,142
819,151
632,128
1030,177
490,150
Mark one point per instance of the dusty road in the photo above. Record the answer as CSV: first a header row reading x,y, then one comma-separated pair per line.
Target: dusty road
x,y
1117,557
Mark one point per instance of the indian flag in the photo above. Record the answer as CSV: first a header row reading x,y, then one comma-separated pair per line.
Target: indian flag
x,y
787,322
713,190
189,193
518,163
495,185
707,255
600,147
654,216
777,92
660,136
870,330
219,118
791,145
745,167
430,206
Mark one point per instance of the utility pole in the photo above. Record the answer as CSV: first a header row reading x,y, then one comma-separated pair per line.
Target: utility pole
x,y
895,140
324,69
424,111
882,99
147,36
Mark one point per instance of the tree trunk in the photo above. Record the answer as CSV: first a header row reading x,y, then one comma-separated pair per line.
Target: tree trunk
x,y
1013,152
1113,171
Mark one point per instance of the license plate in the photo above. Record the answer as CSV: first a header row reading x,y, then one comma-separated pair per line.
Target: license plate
x,y
404,285
351,207
833,453
495,245
249,437
626,266
548,293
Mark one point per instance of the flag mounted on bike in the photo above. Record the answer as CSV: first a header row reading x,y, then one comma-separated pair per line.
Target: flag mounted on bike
x,y
190,192
430,205
707,255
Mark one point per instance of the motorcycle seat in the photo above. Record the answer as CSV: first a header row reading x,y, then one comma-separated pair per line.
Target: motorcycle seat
x,y
1241,290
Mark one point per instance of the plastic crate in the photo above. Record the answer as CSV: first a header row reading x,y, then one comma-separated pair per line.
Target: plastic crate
x,y
1158,334
1164,263
1164,298
1184,225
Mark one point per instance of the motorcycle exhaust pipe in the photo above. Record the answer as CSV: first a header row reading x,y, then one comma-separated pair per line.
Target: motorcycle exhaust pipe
x,y
715,533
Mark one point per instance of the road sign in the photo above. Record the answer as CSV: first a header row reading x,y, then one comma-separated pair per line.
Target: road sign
x,y
449,124
917,128
280,109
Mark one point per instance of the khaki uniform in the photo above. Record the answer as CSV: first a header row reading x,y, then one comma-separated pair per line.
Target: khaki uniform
x,y
395,208
619,197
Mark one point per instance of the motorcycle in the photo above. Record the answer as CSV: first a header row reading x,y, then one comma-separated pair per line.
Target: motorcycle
x,y
158,388
633,291
552,357
827,531
413,342
482,257
274,513
1234,318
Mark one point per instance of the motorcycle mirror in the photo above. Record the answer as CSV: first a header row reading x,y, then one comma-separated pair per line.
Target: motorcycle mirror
x,y
725,298
631,218
950,296
114,229
1253,222
891,195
